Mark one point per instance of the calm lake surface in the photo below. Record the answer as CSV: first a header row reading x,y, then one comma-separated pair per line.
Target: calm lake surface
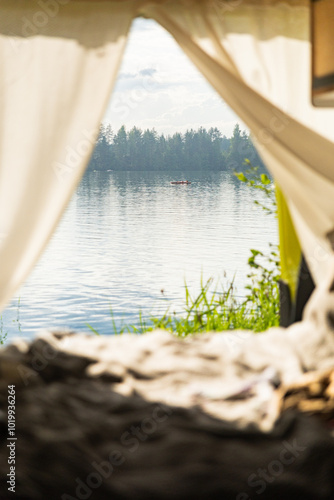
x,y
128,235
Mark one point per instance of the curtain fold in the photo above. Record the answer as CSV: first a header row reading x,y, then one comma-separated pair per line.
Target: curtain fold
x,y
256,54
58,63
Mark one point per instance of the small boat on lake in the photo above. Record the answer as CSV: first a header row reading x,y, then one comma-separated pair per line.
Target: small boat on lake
x,y
180,182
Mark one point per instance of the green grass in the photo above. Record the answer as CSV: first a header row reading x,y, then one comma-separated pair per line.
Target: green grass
x,y
218,308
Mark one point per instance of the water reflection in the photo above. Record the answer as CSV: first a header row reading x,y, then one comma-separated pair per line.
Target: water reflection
x,y
126,236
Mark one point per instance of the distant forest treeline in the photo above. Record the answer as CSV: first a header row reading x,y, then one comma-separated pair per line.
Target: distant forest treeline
x,y
194,150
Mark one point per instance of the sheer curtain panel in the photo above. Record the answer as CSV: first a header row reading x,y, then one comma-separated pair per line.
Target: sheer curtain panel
x,y
58,64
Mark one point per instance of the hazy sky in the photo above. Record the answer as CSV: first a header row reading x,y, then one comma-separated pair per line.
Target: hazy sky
x,y
158,87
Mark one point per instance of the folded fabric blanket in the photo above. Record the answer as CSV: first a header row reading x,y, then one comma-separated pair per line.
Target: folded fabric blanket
x,y
157,417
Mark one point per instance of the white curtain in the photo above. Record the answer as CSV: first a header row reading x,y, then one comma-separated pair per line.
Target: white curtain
x,y
59,60
58,64
257,55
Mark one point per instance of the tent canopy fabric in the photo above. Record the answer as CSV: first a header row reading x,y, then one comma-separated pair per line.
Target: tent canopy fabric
x,y
59,61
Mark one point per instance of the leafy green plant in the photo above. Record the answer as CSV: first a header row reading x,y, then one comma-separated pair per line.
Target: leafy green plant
x,y
262,286
265,269
260,182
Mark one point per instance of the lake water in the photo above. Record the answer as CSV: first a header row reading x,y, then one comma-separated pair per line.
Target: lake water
x,y
128,235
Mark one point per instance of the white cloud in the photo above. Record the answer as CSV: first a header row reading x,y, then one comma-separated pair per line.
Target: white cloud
x,y
158,87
